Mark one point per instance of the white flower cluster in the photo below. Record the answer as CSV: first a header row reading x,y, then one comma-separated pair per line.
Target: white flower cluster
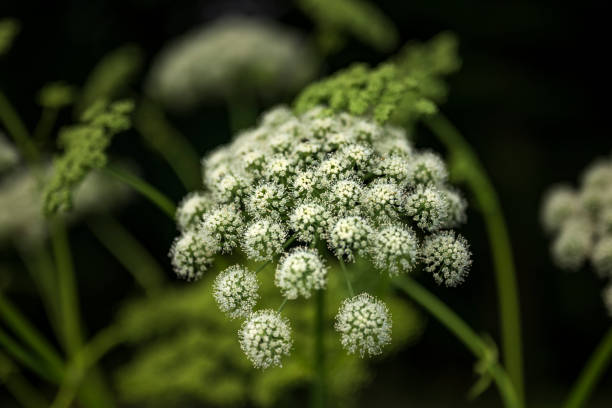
x,y
294,186
580,221
228,56
265,337
235,291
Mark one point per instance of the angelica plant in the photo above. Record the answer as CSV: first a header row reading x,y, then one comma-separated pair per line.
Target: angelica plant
x,y
298,190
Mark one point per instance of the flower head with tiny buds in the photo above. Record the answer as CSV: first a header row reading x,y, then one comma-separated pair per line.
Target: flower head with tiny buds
x,y
341,182
265,338
365,324
235,290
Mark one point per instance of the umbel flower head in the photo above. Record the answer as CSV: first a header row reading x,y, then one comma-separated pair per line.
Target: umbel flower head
x,y
229,56
265,338
298,190
580,220
235,291
365,324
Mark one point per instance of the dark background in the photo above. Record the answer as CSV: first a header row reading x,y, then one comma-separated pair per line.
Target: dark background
x,y
530,98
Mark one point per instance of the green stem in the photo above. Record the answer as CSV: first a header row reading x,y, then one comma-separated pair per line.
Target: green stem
x,y
17,129
346,278
39,264
282,305
129,252
45,125
176,150
81,363
466,166
591,373
28,333
24,357
67,291
23,392
464,333
319,389
144,188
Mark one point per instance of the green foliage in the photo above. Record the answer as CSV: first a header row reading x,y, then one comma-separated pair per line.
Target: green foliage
x,y
335,19
361,90
84,150
188,351
9,28
429,62
401,90
113,73
56,95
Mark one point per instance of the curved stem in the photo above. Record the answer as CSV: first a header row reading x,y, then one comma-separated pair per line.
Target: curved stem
x,y
28,333
591,373
23,391
464,333
466,167
22,355
17,129
129,252
86,358
282,305
45,125
145,189
151,123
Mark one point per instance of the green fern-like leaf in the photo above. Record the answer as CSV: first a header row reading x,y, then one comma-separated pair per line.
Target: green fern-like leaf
x,y
84,150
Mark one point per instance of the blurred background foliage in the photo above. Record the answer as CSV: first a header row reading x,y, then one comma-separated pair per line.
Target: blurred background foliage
x,y
529,96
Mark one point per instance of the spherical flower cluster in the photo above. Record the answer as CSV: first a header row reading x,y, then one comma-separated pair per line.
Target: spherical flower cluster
x,y
191,255
447,257
365,324
580,220
191,209
235,290
228,56
342,183
300,272
265,338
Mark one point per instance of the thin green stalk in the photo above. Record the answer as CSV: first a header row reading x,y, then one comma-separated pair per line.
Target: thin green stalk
x,y
176,150
282,305
28,333
82,362
144,188
67,291
39,264
319,392
466,166
15,127
464,333
129,252
23,392
24,357
591,373
45,125
346,278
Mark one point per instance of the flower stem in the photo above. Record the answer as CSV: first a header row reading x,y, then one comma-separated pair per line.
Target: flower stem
x,y
45,125
285,246
17,129
591,373
30,336
464,333
80,364
152,124
129,252
282,305
144,188
346,277
23,392
24,357
466,167
319,387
